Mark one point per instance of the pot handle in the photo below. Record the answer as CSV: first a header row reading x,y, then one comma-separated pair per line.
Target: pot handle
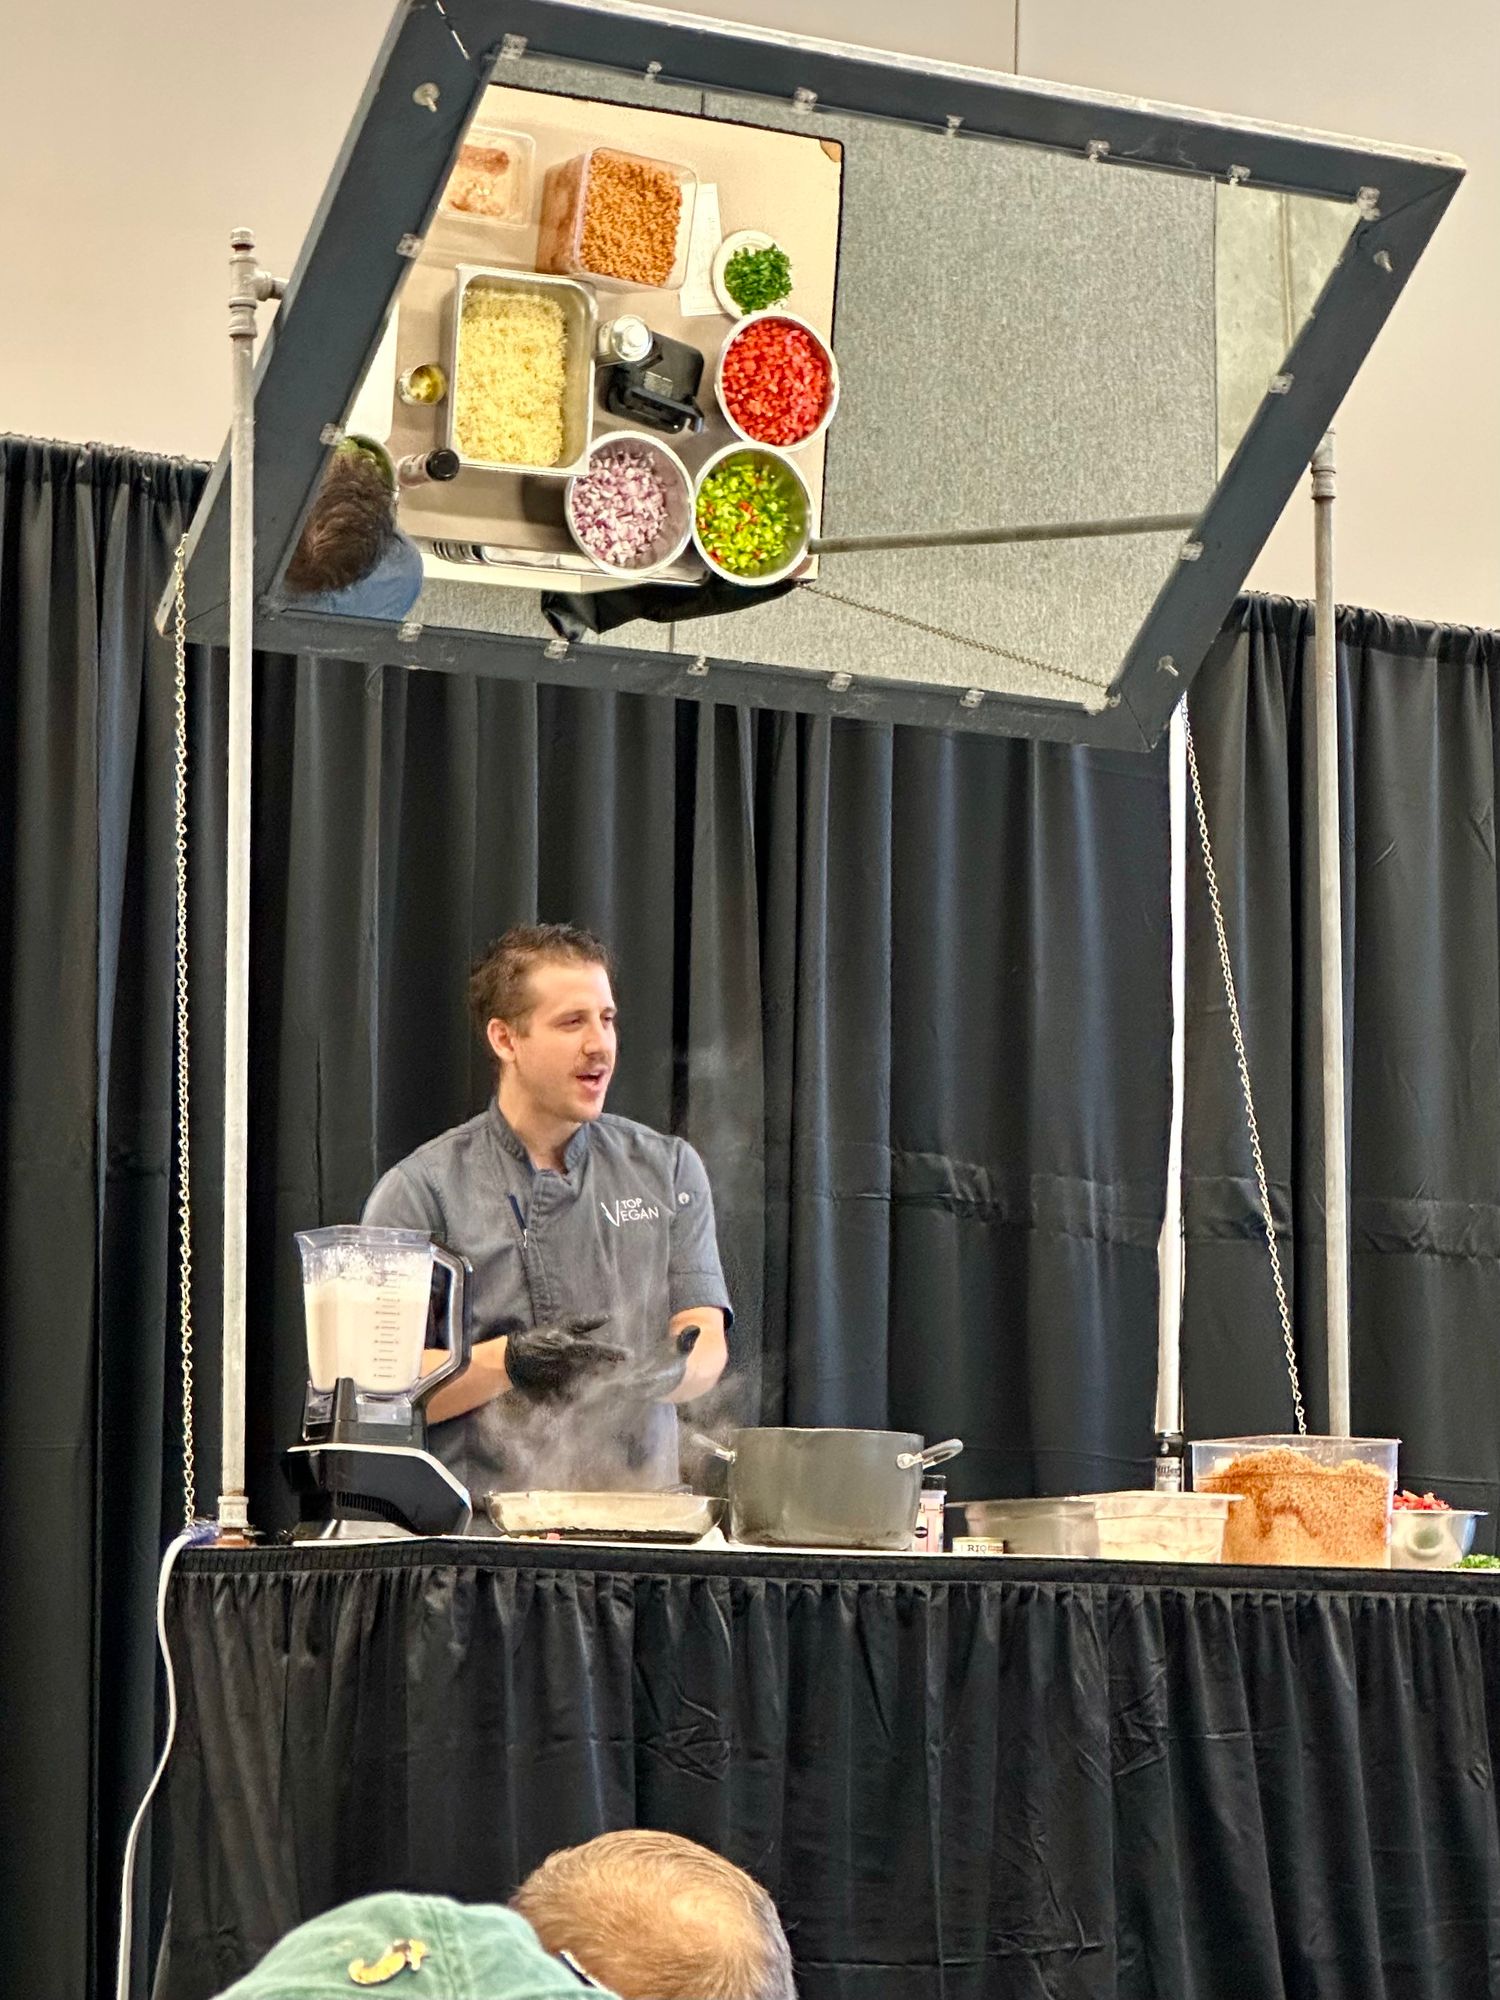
x,y
935,1454
712,1445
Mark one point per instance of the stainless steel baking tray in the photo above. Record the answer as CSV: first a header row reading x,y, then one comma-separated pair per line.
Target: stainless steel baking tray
x,y
580,318
614,1517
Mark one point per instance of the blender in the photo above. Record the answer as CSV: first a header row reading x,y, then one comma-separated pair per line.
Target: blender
x,y
362,1471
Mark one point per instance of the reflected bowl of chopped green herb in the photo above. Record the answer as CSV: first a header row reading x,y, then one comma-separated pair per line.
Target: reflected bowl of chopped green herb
x,y
751,273
752,515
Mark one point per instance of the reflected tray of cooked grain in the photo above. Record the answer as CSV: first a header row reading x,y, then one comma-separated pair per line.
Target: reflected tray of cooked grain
x,y
521,370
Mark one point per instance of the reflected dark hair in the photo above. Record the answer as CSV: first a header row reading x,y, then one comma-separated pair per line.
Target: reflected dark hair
x,y
500,981
349,529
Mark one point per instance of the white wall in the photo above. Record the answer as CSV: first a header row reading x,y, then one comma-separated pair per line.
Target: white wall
x,y
120,176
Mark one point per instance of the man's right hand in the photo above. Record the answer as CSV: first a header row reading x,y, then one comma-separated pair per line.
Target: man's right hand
x,y
551,1361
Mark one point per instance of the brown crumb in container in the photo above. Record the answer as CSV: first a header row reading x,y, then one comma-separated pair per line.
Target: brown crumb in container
x,y
630,216
1293,1510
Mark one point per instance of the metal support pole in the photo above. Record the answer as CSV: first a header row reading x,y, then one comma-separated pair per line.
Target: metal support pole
x,y
1169,1244
978,538
1331,934
245,295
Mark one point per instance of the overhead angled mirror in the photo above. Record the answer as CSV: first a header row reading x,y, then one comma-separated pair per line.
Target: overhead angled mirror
x,y
630,350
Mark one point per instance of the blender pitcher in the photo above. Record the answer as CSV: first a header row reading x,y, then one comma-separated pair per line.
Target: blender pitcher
x,y
367,1294
362,1470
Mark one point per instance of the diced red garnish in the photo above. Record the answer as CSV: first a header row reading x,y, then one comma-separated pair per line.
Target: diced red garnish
x,y
776,382
1422,1503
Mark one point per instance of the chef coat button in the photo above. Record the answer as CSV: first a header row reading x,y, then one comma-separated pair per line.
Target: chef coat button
x,y
683,1200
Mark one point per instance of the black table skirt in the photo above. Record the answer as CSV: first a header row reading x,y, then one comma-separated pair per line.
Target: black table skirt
x,y
1027,1780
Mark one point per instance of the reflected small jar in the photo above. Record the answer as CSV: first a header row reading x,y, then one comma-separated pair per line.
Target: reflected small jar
x,y
426,383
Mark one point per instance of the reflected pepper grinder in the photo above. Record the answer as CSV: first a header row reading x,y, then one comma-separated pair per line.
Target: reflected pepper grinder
x,y
647,378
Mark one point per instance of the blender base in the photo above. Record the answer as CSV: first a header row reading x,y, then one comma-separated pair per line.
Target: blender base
x,y
373,1492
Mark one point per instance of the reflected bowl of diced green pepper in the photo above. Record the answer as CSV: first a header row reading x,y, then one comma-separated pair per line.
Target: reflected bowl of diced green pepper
x,y
752,515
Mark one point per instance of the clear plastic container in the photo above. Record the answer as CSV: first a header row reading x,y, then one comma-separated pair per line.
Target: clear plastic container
x,y
1161,1527
1035,1527
1123,1527
1310,1500
491,180
607,216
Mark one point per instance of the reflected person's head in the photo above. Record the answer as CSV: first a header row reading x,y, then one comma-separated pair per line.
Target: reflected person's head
x,y
543,1000
350,527
656,1917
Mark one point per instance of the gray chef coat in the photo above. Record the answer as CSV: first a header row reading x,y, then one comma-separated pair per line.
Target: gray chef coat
x,y
626,1229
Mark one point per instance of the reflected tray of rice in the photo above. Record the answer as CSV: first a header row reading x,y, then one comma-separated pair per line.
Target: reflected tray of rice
x,y
521,370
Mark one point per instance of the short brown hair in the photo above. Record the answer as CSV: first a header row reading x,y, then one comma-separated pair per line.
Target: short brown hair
x,y
500,979
349,529
657,1917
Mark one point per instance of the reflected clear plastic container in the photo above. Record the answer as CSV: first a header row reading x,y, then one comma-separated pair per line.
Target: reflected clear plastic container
x,y
480,189
1318,1501
566,194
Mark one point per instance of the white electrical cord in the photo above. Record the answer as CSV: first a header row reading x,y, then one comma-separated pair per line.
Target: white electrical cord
x,y
199,1532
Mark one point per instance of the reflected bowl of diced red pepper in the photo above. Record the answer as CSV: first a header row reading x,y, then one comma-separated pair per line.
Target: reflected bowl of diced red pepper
x,y
777,381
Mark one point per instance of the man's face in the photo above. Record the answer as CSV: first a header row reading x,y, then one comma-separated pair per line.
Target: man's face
x,y
560,1059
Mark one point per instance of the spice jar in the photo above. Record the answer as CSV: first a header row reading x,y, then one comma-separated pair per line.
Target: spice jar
x,y
932,1509
421,466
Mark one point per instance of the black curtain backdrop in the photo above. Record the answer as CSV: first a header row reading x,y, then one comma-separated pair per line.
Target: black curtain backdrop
x,y
1419,710
907,993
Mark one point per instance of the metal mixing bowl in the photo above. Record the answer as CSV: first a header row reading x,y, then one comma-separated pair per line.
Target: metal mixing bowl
x,y
678,531
801,513
1431,1538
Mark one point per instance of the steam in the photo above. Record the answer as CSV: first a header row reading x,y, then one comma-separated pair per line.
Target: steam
x,y
585,1442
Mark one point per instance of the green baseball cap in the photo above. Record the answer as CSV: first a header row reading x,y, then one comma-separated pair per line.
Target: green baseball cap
x,y
405,1947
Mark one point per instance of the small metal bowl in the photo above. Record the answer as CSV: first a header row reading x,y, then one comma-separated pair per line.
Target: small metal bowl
x,y
762,454
1430,1537
736,333
679,528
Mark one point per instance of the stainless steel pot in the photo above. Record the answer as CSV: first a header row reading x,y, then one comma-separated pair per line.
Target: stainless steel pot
x,y
829,1489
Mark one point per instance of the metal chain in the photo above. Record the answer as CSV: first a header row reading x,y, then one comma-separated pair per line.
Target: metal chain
x,y
958,639
1244,1067
184,1177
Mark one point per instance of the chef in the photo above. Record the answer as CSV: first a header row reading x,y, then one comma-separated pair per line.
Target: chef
x,y
599,1301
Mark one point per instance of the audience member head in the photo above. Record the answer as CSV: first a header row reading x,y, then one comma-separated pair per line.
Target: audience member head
x,y
351,525
457,1951
655,1917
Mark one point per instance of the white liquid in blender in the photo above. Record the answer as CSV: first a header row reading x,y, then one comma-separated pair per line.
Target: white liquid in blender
x,y
367,1328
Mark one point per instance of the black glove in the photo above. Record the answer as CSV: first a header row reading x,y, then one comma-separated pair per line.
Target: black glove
x,y
554,1360
654,1376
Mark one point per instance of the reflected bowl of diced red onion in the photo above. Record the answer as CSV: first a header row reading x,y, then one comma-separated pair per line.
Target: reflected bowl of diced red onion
x,y
631,508
777,381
